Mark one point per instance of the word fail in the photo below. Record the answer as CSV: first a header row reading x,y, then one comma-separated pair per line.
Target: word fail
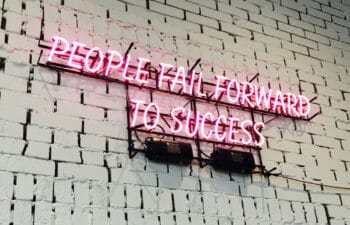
x,y
176,80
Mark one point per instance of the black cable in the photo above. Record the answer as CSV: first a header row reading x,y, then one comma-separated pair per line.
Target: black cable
x,y
267,174
142,142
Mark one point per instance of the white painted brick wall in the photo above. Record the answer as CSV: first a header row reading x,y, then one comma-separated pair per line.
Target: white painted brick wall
x,y
63,138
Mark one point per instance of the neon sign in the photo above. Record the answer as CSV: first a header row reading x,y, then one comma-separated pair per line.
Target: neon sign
x,y
176,80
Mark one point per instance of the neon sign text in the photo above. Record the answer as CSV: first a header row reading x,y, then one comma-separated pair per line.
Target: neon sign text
x,y
208,126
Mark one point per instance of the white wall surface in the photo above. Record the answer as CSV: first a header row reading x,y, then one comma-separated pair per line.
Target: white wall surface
x,y
63,138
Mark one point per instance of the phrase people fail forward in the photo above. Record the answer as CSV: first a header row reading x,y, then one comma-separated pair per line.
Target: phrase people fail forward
x,y
176,80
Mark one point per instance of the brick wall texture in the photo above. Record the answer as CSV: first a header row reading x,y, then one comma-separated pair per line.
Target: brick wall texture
x,y
63,138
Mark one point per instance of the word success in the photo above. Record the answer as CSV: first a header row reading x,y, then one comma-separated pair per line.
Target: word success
x,y
111,63
183,121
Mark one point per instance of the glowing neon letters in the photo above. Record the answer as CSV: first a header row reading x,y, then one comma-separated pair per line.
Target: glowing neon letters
x,y
207,125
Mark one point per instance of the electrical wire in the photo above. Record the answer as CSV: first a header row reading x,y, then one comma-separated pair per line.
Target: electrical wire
x,y
300,180
142,142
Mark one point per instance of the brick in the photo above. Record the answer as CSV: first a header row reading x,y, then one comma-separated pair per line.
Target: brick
x,y
312,20
133,196
325,198
307,59
11,129
276,33
99,193
233,10
245,24
220,186
291,170
35,133
184,5
294,5
150,199
13,83
215,34
195,202
103,101
116,193
274,15
318,173
299,213
310,78
221,16
50,91
133,177
304,42
82,172
44,188
43,213
290,195
274,209
92,141
56,120
310,213
33,27
206,40
11,145
246,6
38,150
263,20
13,113
303,25
286,11
210,203
223,204
284,145
326,141
117,217
63,214
24,187
14,6
16,21
167,10
81,215
321,214
25,100
338,211
26,165
22,213
252,190
286,211
235,30
184,25
207,3
5,217
100,215
294,47
94,158
105,128
267,39
290,29
299,159
249,208
63,191
272,155
6,185
81,193
165,202
327,32
66,138
202,20
65,154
